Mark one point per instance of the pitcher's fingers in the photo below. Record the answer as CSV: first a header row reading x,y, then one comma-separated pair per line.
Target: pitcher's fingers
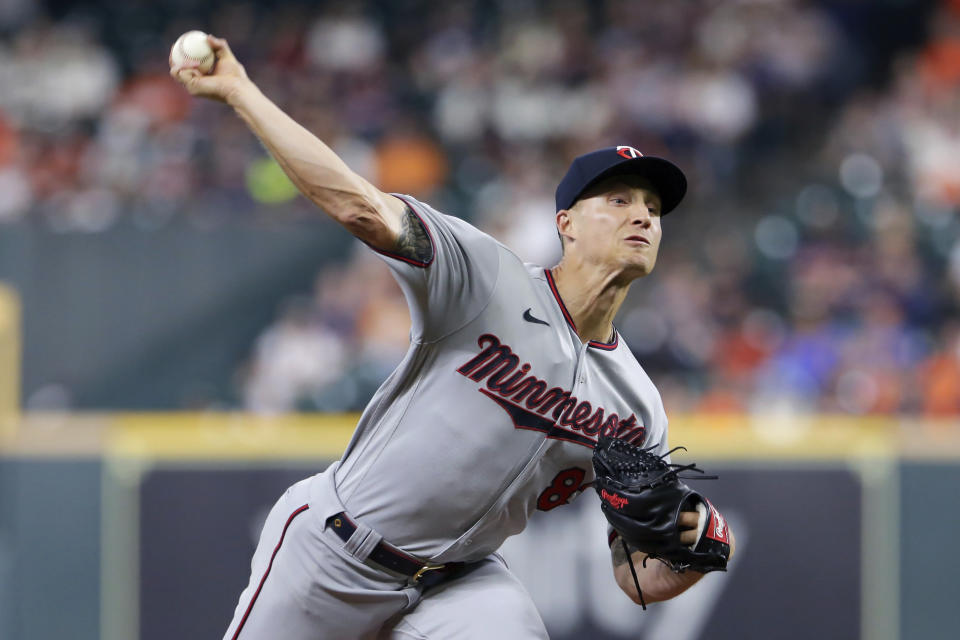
x,y
689,519
178,73
193,80
688,537
220,48
186,74
183,66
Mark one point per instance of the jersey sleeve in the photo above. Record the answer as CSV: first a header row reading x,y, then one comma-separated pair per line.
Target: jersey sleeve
x,y
455,283
663,444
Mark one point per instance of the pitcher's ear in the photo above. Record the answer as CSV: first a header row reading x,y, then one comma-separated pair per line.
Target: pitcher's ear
x,y
564,221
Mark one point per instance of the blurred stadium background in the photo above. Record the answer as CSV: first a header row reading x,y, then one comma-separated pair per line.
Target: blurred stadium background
x,y
182,336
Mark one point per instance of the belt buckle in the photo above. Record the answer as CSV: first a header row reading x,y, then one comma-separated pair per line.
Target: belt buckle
x,y
424,569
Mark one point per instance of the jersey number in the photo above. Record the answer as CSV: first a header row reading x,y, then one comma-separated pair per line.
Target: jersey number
x,y
565,484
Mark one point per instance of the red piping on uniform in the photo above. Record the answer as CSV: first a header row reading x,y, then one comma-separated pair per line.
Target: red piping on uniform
x,y
606,346
246,614
556,294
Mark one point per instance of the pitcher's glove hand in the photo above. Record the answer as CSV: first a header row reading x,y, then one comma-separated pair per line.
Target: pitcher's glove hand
x,y
642,496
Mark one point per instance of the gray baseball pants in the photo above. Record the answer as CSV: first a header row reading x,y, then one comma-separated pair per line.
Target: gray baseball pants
x,y
308,584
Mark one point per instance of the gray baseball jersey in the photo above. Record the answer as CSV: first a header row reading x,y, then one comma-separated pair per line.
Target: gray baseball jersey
x,y
493,413
496,407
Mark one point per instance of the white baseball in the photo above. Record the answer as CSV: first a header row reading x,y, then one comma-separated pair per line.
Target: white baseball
x,y
192,51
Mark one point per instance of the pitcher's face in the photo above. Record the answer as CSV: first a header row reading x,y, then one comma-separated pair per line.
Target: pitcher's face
x,y
616,223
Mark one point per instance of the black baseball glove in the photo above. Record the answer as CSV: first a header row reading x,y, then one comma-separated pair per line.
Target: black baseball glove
x,y
642,495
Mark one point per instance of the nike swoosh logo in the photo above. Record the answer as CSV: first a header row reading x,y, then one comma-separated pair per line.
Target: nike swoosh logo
x,y
529,318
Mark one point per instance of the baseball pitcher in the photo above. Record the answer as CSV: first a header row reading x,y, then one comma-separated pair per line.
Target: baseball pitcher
x,y
514,374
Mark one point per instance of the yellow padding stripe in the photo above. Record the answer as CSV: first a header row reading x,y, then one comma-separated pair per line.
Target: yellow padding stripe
x,y
10,347
244,437
783,437
230,436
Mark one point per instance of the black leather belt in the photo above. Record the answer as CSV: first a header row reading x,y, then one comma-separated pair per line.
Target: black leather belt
x,y
388,556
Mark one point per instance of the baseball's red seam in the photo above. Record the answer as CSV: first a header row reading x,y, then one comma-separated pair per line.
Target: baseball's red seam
x,y
186,55
246,614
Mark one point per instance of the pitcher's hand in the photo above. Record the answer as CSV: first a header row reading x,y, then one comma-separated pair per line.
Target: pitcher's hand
x,y
228,75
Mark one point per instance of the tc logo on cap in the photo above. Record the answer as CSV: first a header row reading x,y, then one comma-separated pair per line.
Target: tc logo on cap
x,y
628,152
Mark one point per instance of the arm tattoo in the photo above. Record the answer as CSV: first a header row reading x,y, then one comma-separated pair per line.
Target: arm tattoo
x,y
413,241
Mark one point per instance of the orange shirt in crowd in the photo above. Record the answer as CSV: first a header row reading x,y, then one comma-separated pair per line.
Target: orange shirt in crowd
x,y
940,379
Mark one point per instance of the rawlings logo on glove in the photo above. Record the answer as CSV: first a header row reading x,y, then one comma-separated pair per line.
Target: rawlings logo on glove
x,y
642,496
613,499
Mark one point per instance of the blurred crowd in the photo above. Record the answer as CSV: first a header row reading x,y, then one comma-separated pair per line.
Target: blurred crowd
x,y
814,267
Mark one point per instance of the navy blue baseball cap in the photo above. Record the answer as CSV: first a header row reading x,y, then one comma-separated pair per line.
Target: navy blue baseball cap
x,y
590,168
